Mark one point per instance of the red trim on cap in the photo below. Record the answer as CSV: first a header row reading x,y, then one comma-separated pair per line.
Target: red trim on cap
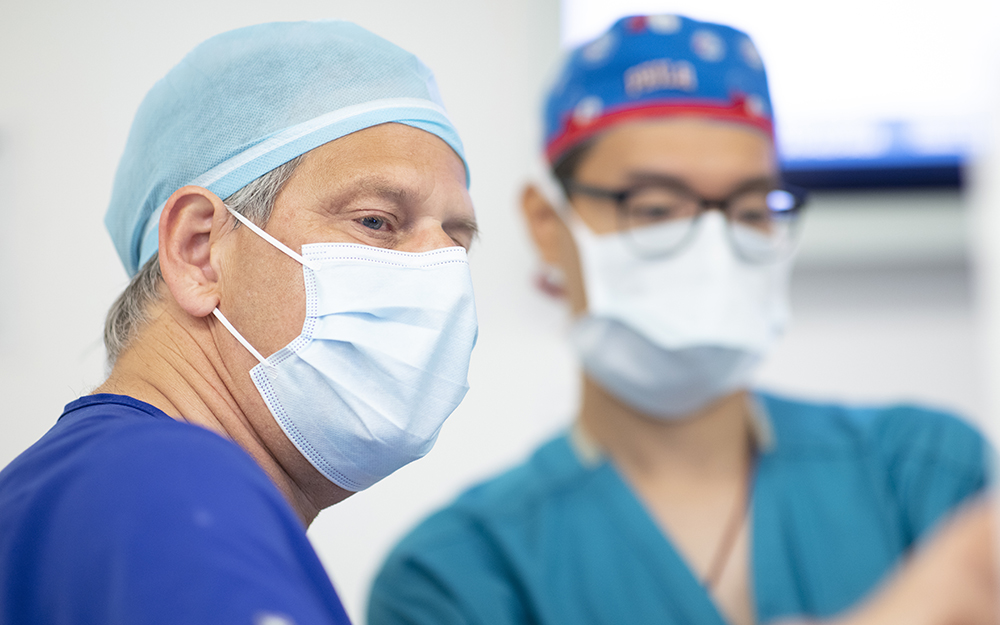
x,y
574,132
637,23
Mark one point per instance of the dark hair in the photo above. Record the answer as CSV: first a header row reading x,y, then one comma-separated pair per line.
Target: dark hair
x,y
565,168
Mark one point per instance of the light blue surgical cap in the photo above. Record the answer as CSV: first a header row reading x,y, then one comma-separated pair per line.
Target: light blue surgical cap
x,y
252,99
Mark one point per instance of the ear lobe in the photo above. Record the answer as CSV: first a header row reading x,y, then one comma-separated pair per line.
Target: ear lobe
x,y
192,219
544,223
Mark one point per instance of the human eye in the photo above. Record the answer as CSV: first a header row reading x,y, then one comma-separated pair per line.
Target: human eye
x,y
653,211
373,222
463,239
762,208
465,244
753,215
751,210
377,226
649,206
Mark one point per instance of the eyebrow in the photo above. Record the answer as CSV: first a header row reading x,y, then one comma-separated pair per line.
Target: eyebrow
x,y
383,187
379,186
637,178
467,224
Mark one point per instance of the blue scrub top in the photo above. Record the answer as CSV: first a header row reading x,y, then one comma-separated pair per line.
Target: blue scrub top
x,y
839,496
123,515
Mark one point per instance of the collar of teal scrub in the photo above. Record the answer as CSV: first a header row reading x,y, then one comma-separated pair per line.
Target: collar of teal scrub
x,y
590,454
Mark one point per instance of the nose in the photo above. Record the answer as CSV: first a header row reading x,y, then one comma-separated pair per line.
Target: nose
x,y
719,205
426,236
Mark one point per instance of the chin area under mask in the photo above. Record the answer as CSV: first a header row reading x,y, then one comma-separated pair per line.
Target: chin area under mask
x,y
668,384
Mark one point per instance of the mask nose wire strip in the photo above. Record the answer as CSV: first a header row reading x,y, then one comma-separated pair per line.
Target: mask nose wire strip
x,y
239,337
276,243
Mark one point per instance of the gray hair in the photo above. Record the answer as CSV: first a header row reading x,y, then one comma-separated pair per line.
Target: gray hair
x,y
129,313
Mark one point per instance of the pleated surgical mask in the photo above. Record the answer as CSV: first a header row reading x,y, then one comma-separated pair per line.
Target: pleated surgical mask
x,y
668,335
382,359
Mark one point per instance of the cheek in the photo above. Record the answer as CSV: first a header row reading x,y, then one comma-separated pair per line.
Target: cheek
x,y
264,296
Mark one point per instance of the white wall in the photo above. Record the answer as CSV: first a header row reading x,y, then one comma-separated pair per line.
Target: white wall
x,y
883,303
985,204
870,325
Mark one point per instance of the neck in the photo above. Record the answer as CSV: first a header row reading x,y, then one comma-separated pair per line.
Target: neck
x,y
711,443
176,365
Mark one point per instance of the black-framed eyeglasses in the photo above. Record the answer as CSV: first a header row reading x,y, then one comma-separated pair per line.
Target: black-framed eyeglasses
x,y
660,217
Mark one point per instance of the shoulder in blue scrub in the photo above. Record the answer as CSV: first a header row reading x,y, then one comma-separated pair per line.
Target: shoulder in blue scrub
x,y
120,514
841,494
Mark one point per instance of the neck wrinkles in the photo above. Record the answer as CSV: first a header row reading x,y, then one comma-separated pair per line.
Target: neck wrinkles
x,y
175,364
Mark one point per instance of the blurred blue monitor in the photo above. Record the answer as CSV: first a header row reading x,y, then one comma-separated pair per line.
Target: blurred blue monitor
x,y
858,154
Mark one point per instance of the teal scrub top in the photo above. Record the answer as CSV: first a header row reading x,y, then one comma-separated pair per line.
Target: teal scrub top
x,y
839,496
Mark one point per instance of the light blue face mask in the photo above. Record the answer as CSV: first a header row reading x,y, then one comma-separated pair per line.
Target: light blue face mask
x,y
382,360
670,335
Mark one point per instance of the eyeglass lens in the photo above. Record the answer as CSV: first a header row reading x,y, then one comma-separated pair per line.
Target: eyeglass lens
x,y
660,220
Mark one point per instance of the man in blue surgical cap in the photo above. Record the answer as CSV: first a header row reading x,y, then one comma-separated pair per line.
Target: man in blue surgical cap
x,y
292,206
680,495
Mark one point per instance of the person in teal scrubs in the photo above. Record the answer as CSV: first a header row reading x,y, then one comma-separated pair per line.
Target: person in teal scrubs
x,y
679,495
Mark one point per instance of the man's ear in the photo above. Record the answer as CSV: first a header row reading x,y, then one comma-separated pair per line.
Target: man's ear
x,y
192,221
544,223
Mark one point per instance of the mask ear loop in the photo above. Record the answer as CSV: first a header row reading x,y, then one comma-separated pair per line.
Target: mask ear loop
x,y
549,279
281,246
276,243
239,337
552,190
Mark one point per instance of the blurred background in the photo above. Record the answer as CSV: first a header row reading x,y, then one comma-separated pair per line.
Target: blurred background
x,y
886,109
